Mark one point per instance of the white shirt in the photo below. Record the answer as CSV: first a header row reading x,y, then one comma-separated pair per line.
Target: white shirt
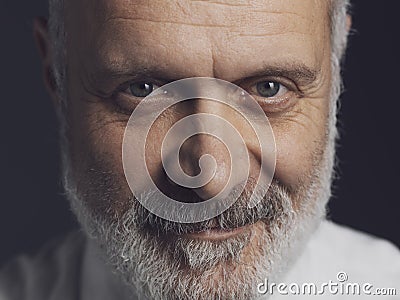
x,y
71,269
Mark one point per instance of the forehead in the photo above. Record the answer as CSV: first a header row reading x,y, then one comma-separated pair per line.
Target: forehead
x,y
219,33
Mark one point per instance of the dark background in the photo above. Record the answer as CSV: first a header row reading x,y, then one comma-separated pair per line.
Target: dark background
x,y
32,209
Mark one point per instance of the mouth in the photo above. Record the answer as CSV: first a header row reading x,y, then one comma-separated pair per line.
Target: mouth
x,y
218,233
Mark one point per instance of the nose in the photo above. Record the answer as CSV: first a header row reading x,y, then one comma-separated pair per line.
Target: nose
x,y
206,144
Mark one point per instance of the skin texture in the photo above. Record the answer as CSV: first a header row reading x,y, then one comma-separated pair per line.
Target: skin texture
x,y
112,43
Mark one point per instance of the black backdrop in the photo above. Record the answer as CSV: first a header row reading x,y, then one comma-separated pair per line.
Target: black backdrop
x,y
32,209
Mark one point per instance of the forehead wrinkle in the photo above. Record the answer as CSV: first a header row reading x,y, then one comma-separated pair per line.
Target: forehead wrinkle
x,y
227,3
202,13
268,23
271,24
254,8
238,32
117,61
141,19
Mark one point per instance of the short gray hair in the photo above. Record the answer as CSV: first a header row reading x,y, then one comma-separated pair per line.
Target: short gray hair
x,y
58,42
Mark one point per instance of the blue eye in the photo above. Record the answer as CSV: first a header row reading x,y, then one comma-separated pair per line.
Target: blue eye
x,y
268,89
141,89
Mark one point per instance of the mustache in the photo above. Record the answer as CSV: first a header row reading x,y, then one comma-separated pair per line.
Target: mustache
x,y
274,203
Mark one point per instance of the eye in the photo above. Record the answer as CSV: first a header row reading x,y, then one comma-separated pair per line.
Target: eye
x,y
274,96
141,89
269,89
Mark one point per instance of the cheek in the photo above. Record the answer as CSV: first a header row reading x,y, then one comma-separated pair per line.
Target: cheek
x,y
96,139
96,136
300,143
96,156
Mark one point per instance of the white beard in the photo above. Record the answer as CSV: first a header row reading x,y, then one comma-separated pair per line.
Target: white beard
x,y
213,270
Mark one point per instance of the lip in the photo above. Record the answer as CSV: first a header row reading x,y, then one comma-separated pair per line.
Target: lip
x,y
216,234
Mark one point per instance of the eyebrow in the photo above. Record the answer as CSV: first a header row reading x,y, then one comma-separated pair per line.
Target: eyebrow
x,y
296,71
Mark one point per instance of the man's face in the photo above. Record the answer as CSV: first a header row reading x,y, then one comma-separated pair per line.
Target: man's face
x,y
278,51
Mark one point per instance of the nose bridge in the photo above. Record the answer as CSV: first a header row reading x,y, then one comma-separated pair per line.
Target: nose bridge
x,y
204,97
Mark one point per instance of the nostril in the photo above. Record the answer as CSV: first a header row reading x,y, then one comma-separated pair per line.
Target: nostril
x,y
217,184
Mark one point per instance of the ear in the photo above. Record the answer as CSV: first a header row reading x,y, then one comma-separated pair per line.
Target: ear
x,y
348,23
43,44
